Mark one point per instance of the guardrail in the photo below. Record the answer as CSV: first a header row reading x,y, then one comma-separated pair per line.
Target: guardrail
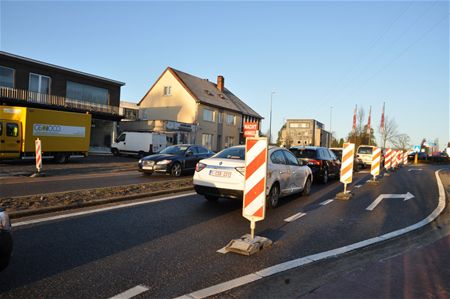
x,y
46,99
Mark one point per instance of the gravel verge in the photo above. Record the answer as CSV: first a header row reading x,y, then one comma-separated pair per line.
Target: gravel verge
x,y
22,206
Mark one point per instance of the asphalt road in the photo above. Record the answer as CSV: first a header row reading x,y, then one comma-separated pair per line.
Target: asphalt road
x,y
170,246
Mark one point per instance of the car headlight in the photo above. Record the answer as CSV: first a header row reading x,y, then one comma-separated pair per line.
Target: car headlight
x,y
4,220
164,162
140,161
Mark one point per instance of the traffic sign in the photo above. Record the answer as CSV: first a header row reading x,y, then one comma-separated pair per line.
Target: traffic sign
x,y
250,129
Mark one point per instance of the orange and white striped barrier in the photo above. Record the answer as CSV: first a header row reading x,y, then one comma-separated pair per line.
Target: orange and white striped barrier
x,y
37,144
394,159
400,157
405,158
254,203
376,160
388,159
348,156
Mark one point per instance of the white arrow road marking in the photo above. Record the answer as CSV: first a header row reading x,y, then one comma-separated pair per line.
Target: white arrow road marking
x,y
295,217
383,196
324,203
414,169
131,292
357,186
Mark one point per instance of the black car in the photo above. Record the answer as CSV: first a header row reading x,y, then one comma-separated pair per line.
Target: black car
x,y
420,156
322,161
357,162
6,242
174,159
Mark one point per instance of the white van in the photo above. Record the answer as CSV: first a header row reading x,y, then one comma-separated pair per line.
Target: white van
x,y
139,143
364,153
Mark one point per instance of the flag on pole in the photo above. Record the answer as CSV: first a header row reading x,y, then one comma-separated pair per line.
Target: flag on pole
x,y
368,122
354,119
382,120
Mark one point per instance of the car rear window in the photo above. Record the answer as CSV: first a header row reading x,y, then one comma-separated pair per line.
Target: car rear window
x,y
237,153
338,153
365,150
304,153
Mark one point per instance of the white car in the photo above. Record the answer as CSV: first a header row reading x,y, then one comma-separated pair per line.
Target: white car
x,y
222,175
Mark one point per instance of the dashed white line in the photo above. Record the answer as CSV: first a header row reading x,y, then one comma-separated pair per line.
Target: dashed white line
x,y
131,292
99,210
243,280
294,217
324,203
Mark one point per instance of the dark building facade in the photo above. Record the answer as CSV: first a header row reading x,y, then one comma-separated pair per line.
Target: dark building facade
x,y
31,83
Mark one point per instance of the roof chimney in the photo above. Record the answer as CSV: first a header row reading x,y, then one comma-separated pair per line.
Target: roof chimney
x,y
220,83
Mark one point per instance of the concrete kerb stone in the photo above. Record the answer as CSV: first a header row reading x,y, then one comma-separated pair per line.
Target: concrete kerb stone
x,y
33,212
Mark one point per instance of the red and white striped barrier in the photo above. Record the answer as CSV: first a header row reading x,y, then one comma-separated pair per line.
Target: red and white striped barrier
x,y
348,153
394,159
388,159
405,158
37,144
254,203
400,157
376,160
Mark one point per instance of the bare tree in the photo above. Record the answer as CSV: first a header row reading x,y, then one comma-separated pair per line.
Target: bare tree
x,y
389,133
402,141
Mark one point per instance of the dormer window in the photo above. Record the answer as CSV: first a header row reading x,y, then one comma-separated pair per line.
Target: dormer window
x,y
167,90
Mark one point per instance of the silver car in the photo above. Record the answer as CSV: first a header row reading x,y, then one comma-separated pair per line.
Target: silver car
x,y
223,174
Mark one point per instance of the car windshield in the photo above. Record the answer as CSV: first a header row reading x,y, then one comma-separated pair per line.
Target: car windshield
x,y
237,153
177,150
304,153
365,150
338,153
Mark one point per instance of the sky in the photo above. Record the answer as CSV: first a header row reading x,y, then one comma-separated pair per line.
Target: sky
x,y
313,54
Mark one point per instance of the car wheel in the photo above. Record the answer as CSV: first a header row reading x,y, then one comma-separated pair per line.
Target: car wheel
x,y
211,198
176,169
60,158
115,151
325,176
307,188
141,154
274,196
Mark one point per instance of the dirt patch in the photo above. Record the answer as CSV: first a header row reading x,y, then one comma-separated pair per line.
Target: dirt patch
x,y
82,197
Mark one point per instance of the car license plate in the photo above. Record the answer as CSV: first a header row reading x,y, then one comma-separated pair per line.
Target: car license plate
x,y
219,173
147,167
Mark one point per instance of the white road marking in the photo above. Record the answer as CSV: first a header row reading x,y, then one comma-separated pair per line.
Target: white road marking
x,y
131,292
266,272
99,210
295,217
357,186
383,196
364,171
324,203
413,169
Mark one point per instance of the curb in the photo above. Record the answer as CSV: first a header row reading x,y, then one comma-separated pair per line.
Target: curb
x,y
33,212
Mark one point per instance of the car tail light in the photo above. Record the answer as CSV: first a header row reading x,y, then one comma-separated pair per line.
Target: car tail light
x,y
200,166
241,170
314,162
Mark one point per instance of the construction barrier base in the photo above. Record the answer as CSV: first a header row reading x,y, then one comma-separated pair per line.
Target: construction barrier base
x,y
344,195
248,246
37,175
373,182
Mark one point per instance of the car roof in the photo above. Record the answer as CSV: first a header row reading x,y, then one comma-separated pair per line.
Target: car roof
x,y
307,147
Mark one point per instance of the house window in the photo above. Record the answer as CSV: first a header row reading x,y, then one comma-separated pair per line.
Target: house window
x,y
219,117
207,140
167,90
6,77
208,115
39,83
229,141
87,93
231,119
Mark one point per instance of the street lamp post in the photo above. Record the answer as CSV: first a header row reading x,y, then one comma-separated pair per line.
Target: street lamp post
x,y
331,131
270,118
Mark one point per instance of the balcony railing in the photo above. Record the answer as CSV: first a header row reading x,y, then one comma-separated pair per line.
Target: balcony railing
x,y
52,100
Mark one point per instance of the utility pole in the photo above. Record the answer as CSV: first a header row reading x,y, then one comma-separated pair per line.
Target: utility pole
x,y
331,131
270,118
